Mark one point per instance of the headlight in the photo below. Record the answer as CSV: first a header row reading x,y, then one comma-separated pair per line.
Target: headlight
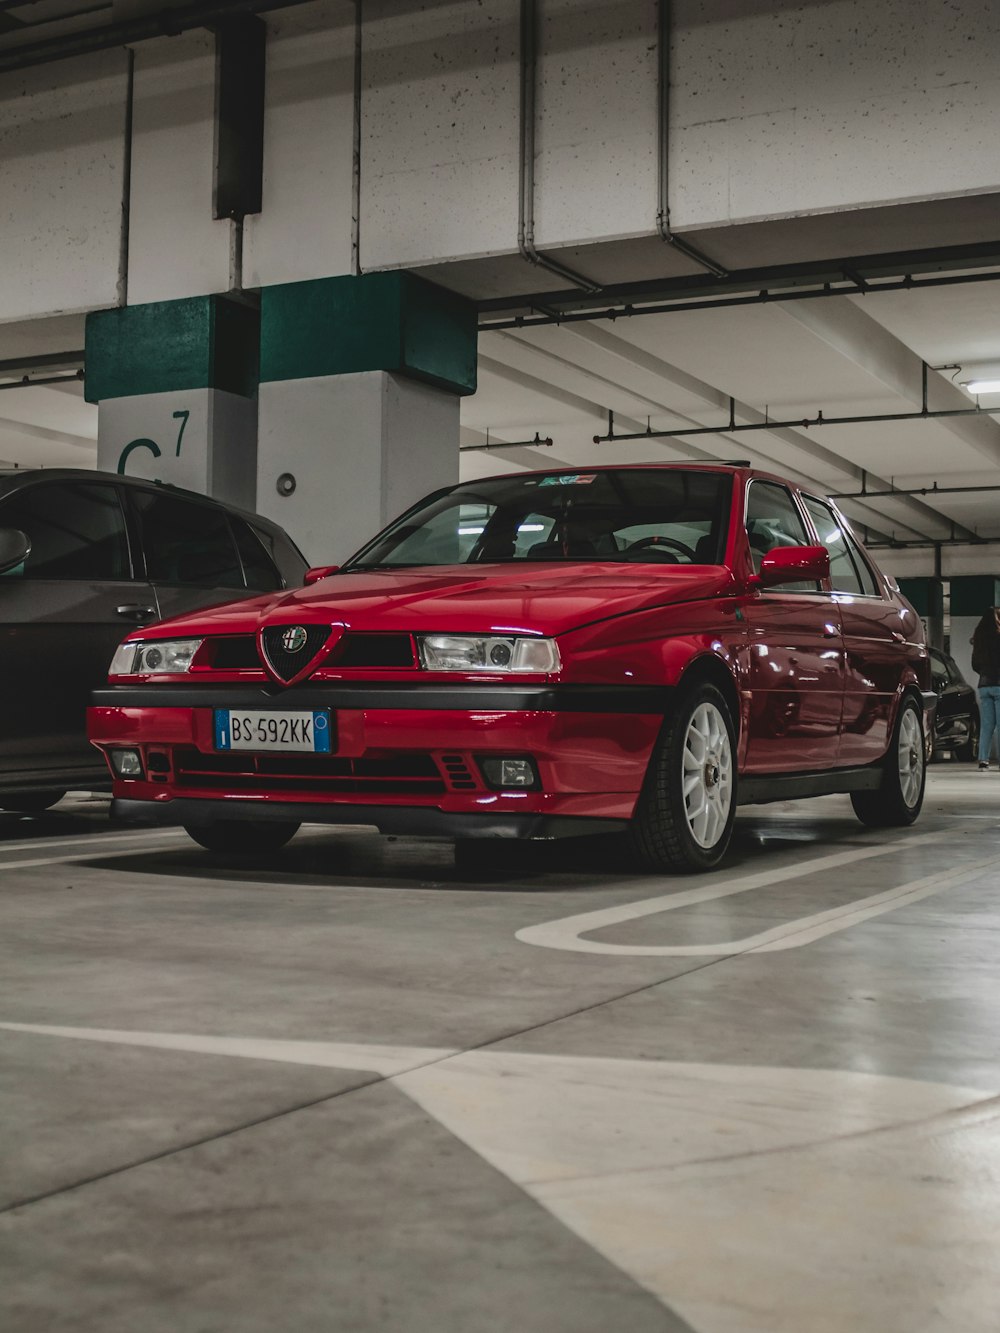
x,y
136,659
466,652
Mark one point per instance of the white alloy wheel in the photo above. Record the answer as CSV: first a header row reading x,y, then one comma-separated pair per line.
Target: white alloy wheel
x,y
707,777
910,754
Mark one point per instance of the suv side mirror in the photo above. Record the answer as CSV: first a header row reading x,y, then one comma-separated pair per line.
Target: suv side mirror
x,y
318,572
15,547
794,564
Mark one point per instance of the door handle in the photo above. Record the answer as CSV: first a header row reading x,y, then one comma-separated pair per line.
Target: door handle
x,y
830,631
897,637
133,611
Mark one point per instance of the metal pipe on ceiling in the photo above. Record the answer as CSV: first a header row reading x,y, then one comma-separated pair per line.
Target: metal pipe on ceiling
x,y
765,296
911,490
165,23
536,443
732,427
663,29
526,181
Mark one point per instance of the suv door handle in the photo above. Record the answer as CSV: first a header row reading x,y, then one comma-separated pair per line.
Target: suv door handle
x,y
133,611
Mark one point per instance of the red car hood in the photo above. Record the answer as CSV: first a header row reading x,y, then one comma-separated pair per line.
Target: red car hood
x,y
454,599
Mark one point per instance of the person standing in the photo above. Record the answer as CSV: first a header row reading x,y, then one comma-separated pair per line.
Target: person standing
x,y
986,660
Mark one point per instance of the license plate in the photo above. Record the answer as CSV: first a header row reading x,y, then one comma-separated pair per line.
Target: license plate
x,y
249,729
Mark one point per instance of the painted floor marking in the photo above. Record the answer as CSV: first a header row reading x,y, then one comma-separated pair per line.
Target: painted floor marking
x,y
71,840
565,933
71,856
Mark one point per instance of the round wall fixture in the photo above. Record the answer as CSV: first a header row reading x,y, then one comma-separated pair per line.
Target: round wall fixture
x,y
285,484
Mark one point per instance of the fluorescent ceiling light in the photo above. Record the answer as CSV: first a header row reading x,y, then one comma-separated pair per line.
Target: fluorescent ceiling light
x,y
983,386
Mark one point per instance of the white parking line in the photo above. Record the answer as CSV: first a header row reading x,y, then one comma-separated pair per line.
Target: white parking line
x,y
82,855
565,933
70,840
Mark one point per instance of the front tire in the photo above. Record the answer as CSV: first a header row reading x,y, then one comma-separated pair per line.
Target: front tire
x,y
684,818
234,836
899,799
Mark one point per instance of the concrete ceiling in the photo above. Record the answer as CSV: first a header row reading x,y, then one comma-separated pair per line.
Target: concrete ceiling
x,y
847,355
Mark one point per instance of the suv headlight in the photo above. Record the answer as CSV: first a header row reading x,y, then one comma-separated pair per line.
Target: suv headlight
x,y
140,659
467,652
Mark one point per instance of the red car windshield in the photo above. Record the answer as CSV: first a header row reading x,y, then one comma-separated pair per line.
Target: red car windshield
x,y
671,516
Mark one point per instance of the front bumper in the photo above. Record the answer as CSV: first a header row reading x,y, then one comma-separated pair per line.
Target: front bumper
x,y
406,758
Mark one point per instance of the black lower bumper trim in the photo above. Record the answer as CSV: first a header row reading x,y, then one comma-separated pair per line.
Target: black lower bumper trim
x,y
477,698
403,820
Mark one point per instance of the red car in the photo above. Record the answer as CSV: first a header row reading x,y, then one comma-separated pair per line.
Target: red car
x,y
552,653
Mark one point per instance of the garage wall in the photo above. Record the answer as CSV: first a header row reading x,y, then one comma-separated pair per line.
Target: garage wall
x,y
776,110
780,109
176,248
596,110
439,142
304,229
62,155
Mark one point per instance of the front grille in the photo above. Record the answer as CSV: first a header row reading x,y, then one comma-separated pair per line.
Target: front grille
x,y
372,650
234,652
287,664
398,774
459,777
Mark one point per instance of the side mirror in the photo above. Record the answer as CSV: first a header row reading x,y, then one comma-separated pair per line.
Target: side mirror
x,y
15,547
318,572
794,564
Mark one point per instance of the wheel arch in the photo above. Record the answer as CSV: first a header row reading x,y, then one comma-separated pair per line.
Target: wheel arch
x,y
711,669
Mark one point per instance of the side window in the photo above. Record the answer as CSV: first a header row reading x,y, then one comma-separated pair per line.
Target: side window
x,y
869,585
939,672
773,520
185,542
843,574
288,559
257,564
77,531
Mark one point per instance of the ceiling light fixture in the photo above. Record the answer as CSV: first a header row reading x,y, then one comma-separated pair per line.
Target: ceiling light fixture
x,y
982,386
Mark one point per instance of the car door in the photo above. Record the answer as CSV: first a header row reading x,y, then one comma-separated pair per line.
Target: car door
x,y
62,614
795,666
191,554
873,638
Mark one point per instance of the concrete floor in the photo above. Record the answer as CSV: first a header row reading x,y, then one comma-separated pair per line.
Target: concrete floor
x,y
346,1090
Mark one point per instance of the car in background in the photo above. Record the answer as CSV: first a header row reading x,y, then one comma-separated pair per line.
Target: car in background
x,y
85,556
956,724
636,649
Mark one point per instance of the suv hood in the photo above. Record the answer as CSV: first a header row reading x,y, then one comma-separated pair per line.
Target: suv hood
x,y
535,598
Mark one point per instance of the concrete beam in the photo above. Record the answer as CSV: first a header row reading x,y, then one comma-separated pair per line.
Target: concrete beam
x,y
917,511
872,519
864,341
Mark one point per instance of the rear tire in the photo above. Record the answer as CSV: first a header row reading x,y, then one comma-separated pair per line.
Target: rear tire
x,y
233,836
899,799
31,802
684,818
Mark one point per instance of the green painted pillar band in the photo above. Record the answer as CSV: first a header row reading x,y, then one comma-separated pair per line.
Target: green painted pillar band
x,y
202,342
374,321
974,594
925,595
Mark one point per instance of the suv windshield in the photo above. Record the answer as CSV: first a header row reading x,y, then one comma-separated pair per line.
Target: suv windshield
x,y
671,516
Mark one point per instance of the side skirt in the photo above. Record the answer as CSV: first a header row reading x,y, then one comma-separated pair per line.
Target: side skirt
x,y
795,786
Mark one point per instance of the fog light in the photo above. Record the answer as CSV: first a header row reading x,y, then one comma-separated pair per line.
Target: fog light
x,y
509,773
126,763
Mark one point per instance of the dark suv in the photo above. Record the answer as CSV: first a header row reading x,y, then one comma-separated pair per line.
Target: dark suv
x,y
106,553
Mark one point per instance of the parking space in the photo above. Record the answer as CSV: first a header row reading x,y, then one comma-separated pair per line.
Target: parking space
x,y
350,1077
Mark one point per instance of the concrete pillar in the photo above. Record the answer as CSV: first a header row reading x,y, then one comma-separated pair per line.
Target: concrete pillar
x,y
926,595
175,383
359,395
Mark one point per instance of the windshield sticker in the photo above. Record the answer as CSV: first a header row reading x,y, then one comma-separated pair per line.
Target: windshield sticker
x,y
569,479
